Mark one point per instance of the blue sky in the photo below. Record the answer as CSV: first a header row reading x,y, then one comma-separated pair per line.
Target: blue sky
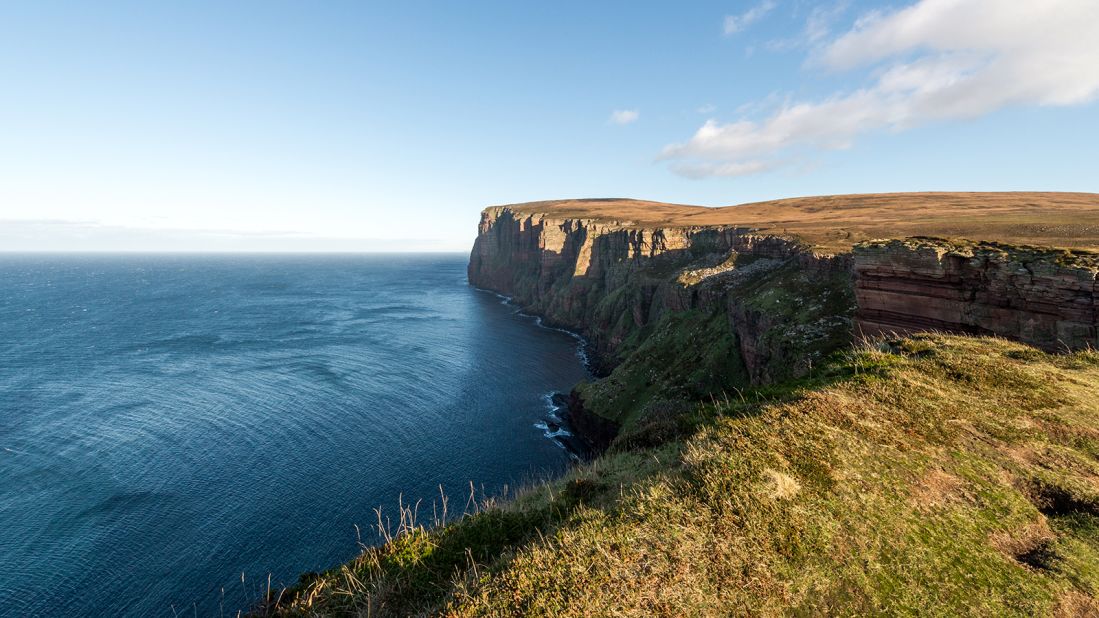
x,y
371,126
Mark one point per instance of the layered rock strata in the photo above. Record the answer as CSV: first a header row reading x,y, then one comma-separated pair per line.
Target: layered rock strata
x,y
1043,297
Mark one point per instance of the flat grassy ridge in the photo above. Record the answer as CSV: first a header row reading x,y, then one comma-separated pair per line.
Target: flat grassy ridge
x,y
834,223
933,475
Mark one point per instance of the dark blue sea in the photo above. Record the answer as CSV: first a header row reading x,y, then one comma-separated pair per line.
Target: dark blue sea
x,y
175,429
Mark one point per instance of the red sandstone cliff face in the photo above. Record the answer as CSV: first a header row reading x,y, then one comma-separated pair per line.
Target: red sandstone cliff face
x,y
1046,298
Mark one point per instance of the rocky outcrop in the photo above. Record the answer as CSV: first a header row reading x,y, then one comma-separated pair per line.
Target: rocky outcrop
x,y
595,432
1043,297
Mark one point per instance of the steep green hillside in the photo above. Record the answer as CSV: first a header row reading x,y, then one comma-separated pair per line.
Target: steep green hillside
x,y
933,475
788,319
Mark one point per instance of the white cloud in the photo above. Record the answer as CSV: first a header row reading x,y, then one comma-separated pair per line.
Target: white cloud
x,y
932,61
818,24
624,116
737,23
708,108
706,169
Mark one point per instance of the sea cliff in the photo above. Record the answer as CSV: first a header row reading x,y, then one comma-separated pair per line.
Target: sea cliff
x,y
609,279
765,307
796,417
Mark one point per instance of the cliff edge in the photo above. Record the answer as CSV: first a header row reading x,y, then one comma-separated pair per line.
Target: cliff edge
x,y
772,289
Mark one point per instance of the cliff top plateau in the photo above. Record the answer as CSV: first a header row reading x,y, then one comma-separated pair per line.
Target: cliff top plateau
x,y
836,222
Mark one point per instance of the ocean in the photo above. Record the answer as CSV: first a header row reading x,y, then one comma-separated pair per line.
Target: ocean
x,y
176,429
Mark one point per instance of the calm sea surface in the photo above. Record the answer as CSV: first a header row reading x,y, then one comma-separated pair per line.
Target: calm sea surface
x,y
168,423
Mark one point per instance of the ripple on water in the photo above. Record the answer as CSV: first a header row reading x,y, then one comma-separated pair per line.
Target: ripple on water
x,y
169,422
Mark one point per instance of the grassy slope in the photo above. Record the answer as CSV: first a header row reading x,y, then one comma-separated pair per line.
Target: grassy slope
x,y
934,475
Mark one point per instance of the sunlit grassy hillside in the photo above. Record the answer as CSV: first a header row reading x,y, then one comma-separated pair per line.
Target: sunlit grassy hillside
x,y
928,476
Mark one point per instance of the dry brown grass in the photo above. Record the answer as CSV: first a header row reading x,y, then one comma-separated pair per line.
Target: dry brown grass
x,y
1077,605
836,222
937,489
1026,540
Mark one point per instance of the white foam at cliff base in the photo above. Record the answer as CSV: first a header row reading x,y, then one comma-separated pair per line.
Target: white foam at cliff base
x,y
581,351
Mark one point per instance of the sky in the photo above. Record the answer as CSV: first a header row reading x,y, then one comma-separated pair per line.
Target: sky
x,y
368,126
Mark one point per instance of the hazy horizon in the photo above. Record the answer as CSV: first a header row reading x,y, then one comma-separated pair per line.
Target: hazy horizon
x,y
348,127
82,237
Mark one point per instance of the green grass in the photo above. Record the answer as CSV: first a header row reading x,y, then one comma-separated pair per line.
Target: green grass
x,y
927,476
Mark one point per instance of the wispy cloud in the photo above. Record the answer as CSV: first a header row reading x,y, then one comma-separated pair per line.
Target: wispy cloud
x,y
932,61
624,116
818,25
708,108
737,23
821,18
704,169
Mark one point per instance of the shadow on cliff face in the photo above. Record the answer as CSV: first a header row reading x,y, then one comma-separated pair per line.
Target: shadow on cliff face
x,y
607,281
669,314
